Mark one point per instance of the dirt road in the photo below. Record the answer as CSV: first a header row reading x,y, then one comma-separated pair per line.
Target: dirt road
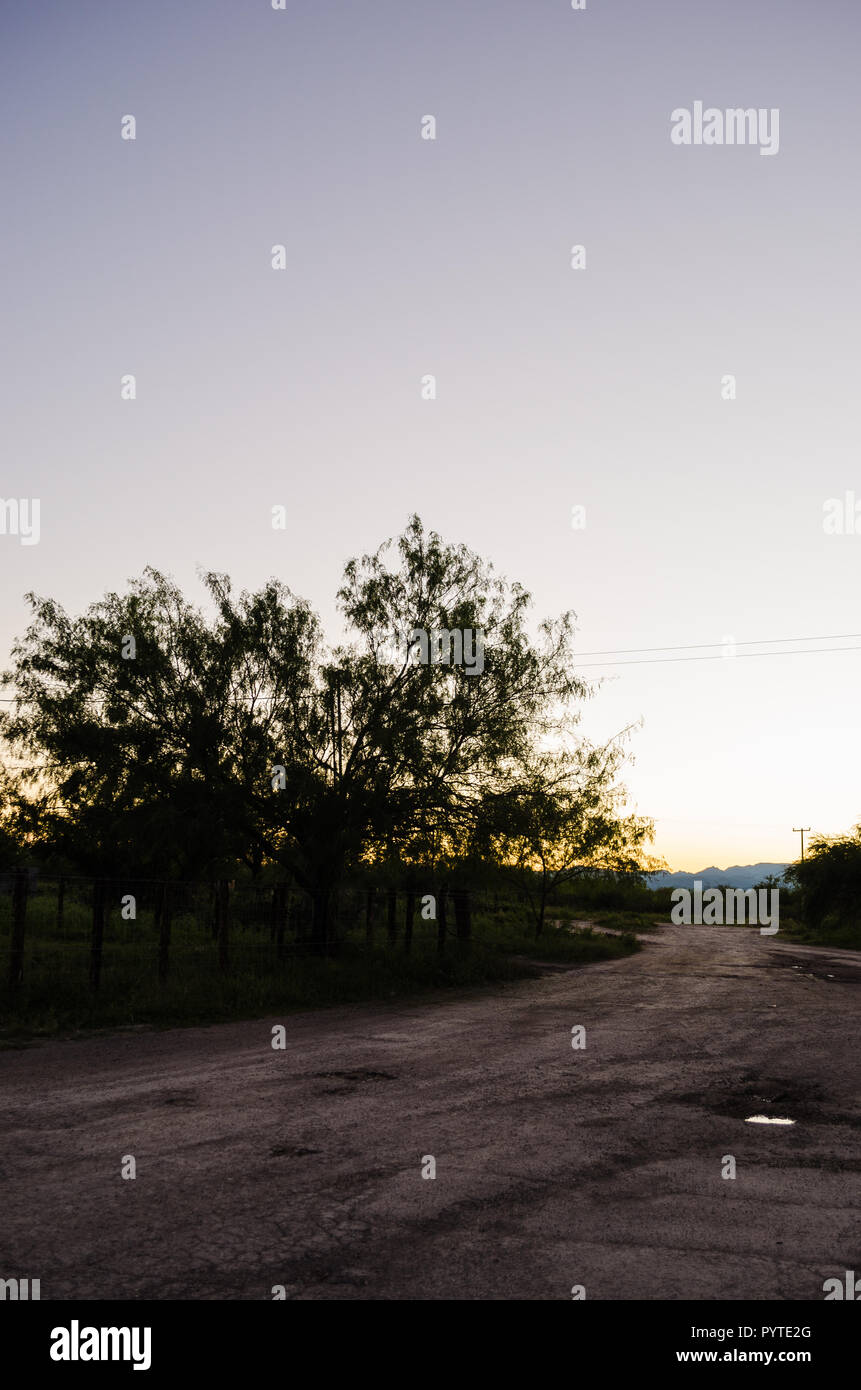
x,y
554,1167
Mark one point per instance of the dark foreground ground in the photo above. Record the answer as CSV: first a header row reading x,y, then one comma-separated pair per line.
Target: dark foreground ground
x,y
554,1167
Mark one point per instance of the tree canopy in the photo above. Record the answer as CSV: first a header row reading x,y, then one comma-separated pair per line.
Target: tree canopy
x,y
156,737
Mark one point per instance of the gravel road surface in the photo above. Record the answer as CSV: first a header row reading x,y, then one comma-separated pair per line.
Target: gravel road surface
x,y
555,1167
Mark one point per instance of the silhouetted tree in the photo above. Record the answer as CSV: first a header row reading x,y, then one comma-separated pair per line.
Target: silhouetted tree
x,y
157,738
829,880
565,822
145,728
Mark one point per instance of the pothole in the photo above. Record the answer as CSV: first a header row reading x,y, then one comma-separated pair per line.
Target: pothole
x,y
762,1100
182,1098
346,1081
817,968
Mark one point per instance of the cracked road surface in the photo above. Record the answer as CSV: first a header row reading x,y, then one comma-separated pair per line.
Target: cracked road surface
x,y
554,1167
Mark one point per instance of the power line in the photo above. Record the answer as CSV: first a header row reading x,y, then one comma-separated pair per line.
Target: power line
x,y
609,651
751,642
657,660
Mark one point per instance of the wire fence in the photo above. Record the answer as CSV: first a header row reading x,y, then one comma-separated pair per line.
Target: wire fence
x,y
103,928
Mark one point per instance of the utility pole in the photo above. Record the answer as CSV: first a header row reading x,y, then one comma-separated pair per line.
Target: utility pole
x,y
801,829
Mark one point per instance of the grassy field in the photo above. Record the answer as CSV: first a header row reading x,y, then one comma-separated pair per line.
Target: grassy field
x,y
55,997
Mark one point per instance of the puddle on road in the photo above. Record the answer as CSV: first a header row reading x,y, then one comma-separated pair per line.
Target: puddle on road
x,y
759,1099
764,1100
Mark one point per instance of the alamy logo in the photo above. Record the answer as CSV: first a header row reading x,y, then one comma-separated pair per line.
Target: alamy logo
x,y
78,1343
833,1288
842,516
20,1289
20,517
736,126
439,647
734,906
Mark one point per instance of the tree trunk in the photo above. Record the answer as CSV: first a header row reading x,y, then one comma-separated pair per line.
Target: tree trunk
x,y
19,919
61,895
542,909
320,922
98,933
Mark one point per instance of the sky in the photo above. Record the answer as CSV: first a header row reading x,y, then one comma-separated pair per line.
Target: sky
x,y
602,387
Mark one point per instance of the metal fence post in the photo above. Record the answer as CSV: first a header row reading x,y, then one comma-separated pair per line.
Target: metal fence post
x,y
408,921
392,923
19,920
164,931
223,913
441,922
98,935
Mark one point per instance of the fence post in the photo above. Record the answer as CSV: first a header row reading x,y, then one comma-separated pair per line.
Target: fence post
x,y
98,932
463,914
441,922
164,931
320,926
19,919
281,909
369,917
392,924
295,921
408,922
223,914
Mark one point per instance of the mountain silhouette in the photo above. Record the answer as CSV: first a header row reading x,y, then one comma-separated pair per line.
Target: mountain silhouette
x,y
736,876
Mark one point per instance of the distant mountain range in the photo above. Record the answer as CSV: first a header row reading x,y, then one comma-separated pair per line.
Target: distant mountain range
x,y
736,876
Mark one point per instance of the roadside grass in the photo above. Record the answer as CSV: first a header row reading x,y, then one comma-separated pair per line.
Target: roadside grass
x,y
619,919
625,920
844,935
55,998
